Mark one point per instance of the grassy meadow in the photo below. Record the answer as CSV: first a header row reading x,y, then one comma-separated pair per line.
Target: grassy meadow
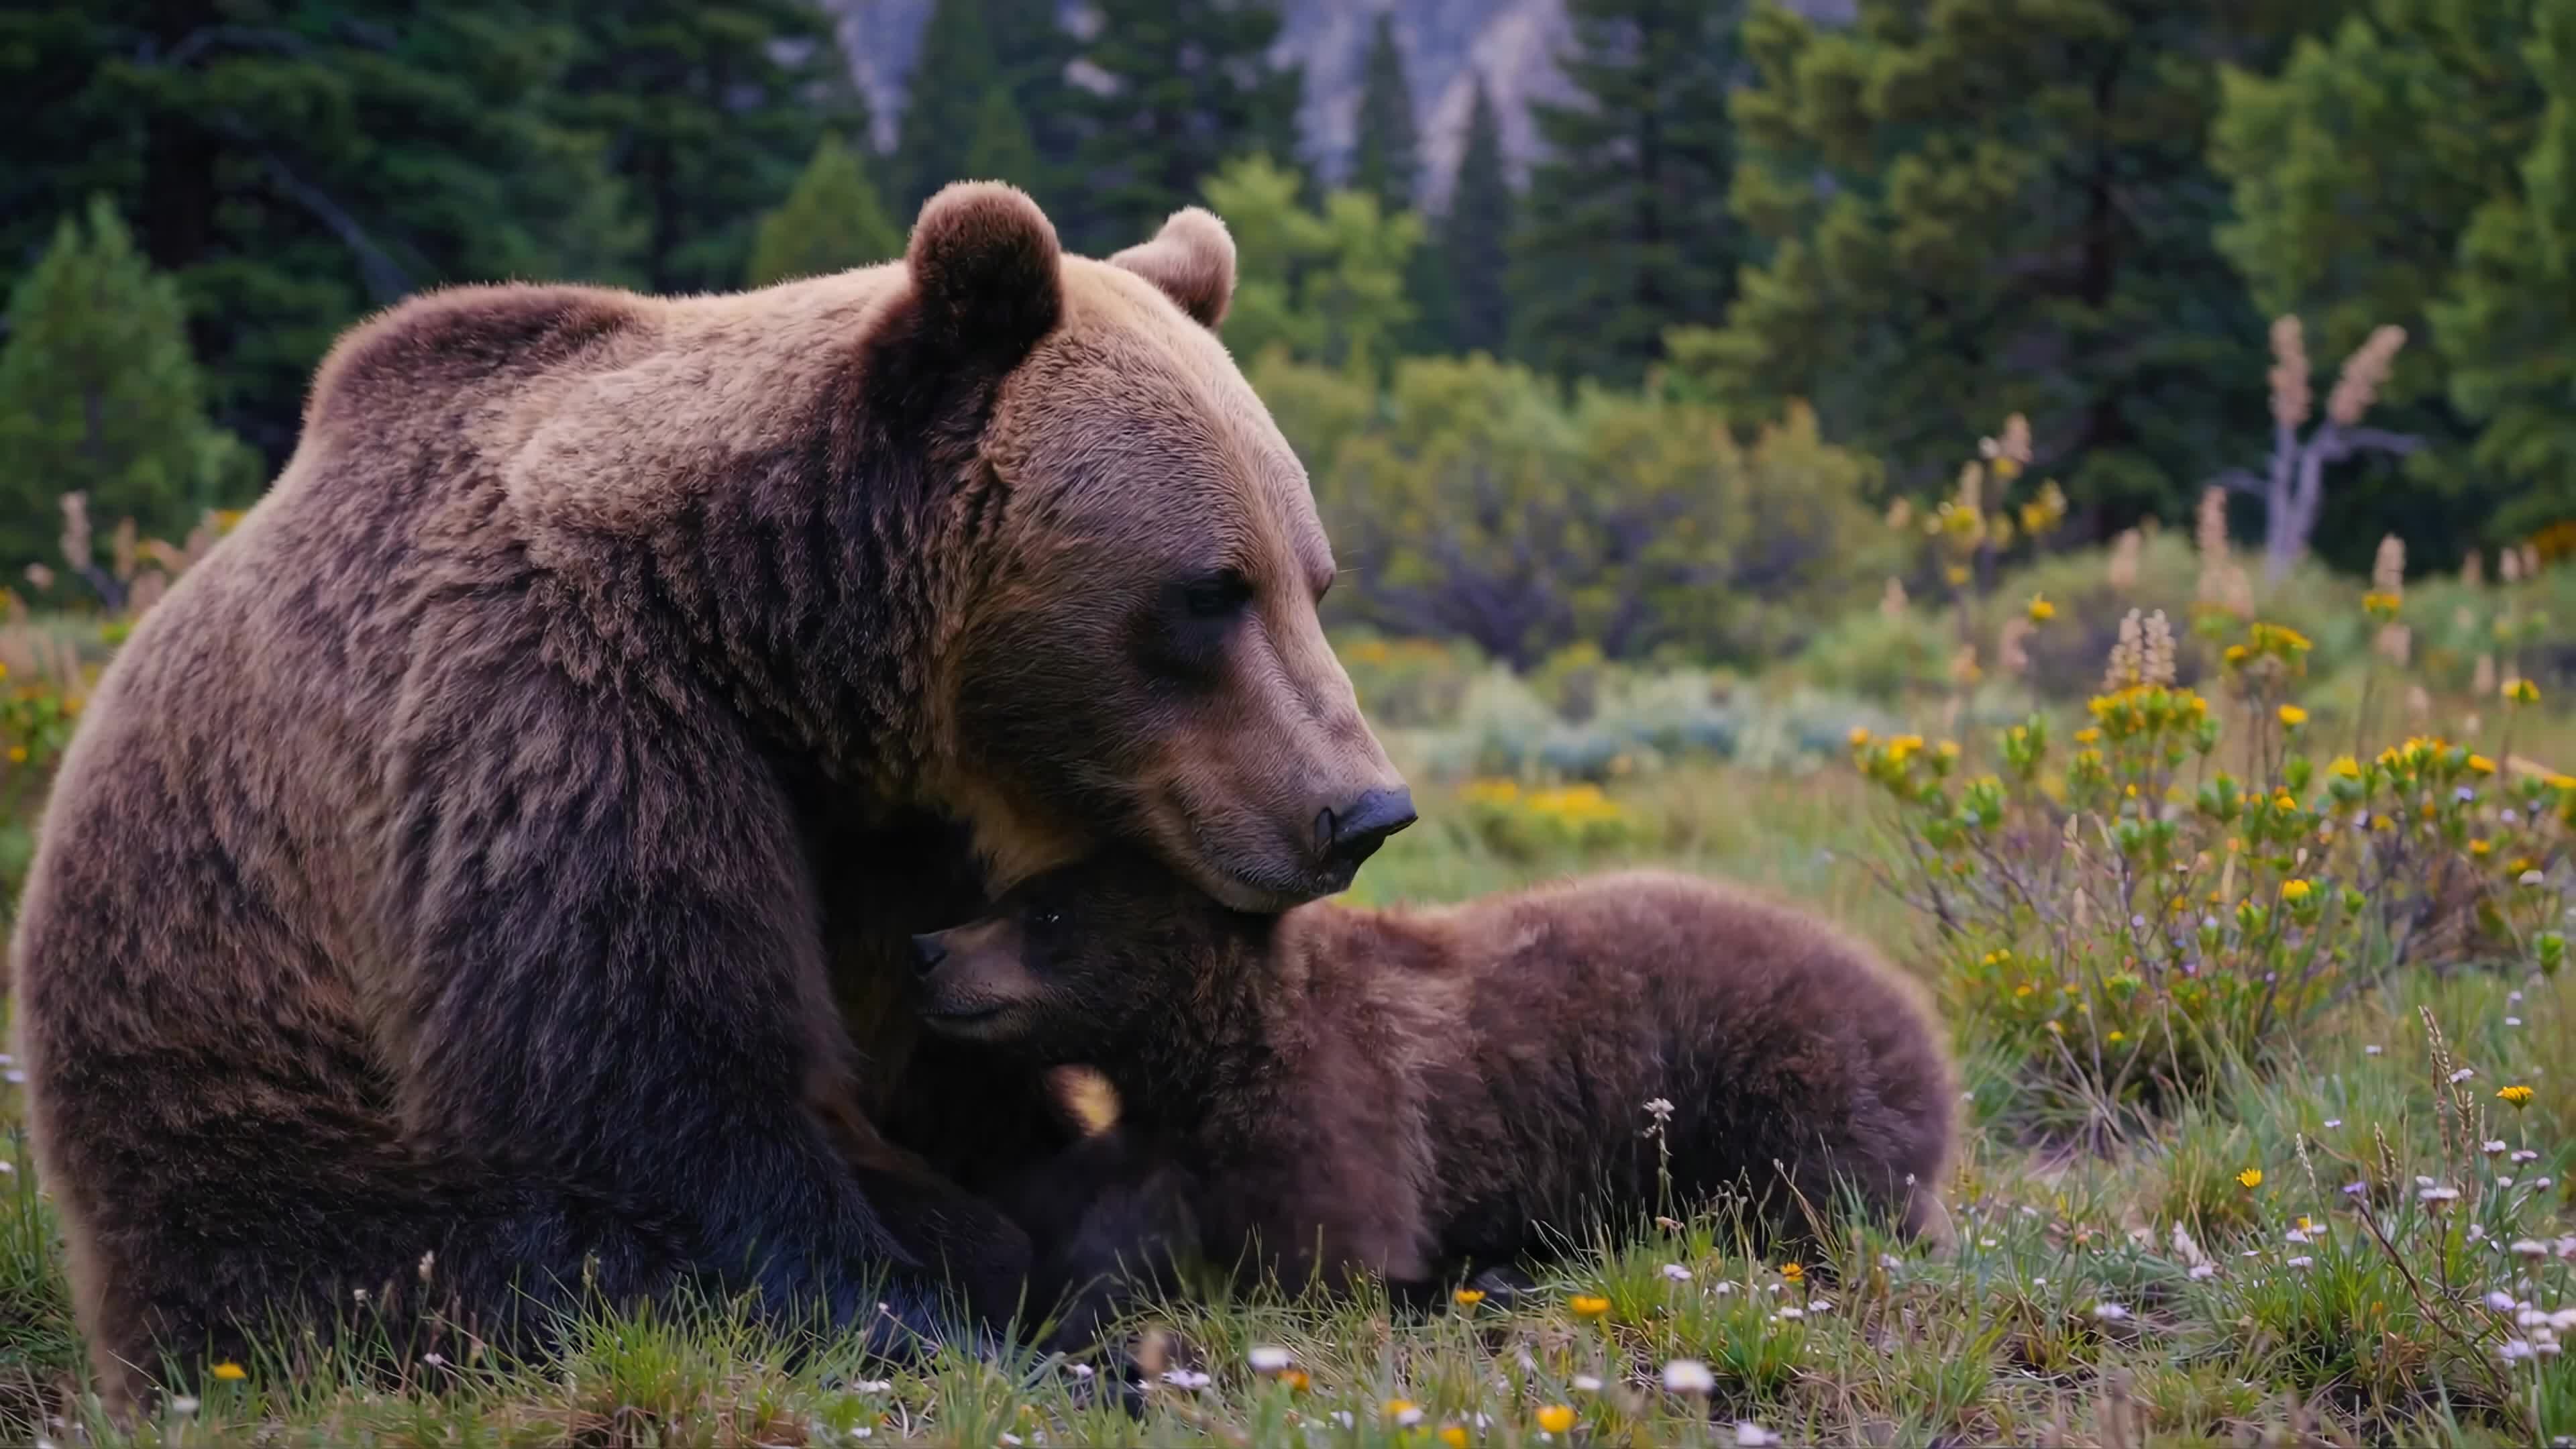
x,y
2248,934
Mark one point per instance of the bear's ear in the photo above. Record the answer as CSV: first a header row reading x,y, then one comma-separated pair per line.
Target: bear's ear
x,y
1192,260
985,270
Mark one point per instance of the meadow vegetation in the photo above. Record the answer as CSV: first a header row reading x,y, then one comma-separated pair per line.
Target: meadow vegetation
x,y
2248,919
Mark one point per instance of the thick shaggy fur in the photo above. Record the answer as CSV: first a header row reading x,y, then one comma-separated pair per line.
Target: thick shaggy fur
x,y
1416,1094
486,857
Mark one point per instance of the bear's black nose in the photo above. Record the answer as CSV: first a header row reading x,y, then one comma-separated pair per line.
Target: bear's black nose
x,y
927,953
1353,835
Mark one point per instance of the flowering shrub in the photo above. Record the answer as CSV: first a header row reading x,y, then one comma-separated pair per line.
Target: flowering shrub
x,y
1537,824
2133,912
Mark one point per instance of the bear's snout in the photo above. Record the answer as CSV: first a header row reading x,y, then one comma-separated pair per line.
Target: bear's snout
x,y
1349,836
927,953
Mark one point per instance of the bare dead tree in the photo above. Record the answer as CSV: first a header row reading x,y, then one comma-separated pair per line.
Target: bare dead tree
x,y
2293,489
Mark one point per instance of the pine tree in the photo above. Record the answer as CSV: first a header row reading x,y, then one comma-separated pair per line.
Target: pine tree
x,y
2510,305
713,108
1466,277
1031,51
99,396
1385,162
293,166
1189,85
1967,219
943,101
1628,231
831,222
1000,147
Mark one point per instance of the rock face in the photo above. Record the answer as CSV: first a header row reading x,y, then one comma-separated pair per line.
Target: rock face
x,y
1447,43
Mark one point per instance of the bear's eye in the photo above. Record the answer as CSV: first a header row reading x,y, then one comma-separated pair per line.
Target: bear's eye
x,y
1044,920
1216,596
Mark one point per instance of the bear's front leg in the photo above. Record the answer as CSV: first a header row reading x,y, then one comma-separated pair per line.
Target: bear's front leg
x,y
604,968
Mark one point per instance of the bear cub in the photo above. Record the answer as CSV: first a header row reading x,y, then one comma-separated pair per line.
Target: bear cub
x,y
1426,1094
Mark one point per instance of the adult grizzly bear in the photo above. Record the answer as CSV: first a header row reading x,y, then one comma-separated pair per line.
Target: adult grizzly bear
x,y
1420,1094
443,893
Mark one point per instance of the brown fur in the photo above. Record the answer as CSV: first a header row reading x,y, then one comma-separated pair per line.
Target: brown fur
x,y
469,855
1414,1093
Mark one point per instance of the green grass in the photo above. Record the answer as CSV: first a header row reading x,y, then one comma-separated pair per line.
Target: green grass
x,y
2067,1311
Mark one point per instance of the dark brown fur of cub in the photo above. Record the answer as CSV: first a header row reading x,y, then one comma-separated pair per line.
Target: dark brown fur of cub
x,y
1416,1093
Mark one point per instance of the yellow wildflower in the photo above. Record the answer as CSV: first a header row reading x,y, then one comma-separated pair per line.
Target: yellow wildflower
x,y
1556,1418
1404,1411
2346,766
2479,847
2088,736
2481,765
1295,1379
17,754
1468,1297
1454,1435
228,1371
1794,1272
2292,716
1589,1305
2521,691
2041,610
2295,891
2117,1036
2516,1095
2251,1177
1859,736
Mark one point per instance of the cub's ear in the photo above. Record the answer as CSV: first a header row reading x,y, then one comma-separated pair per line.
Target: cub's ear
x,y
985,273
1192,260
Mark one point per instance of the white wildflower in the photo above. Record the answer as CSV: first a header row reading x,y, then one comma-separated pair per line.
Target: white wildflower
x,y
2494,1146
1792,1314
2501,1301
2334,1121
2462,1075
2370,1051
1750,1435
2438,1194
1269,1358
1181,1378
1689,1376
2524,1155
2303,1261
1677,1272
182,1404
880,1386
2515,1350
2203,1272
1660,1109
1586,1384
2530,1248
2109,1312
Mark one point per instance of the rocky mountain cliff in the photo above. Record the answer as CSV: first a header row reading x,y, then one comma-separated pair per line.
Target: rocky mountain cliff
x,y
1446,44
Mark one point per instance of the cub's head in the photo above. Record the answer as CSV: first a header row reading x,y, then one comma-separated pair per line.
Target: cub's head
x,y
1075,964
1131,652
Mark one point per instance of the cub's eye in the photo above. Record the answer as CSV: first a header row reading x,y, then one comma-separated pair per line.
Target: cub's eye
x,y
1045,920
1216,596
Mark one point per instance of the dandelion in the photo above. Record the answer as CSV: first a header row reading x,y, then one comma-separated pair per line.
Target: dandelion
x,y
1454,1435
1467,1297
2040,610
228,1371
1589,1305
1556,1418
1794,1272
2516,1095
1689,1376
2295,891
2292,716
2250,1178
